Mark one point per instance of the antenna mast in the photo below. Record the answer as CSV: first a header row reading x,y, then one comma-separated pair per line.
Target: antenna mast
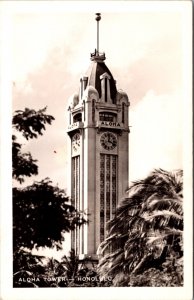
x,y
98,18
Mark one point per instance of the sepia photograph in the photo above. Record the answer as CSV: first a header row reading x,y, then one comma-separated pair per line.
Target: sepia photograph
x,y
97,174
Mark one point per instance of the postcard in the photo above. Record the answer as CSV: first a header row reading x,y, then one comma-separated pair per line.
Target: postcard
x,y
96,118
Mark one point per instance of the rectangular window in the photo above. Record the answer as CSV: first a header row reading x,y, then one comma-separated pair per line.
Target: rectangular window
x,y
108,190
75,197
108,158
108,117
102,181
114,183
81,87
123,112
84,109
105,90
93,110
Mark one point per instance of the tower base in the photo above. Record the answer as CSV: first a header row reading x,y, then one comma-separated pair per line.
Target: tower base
x,y
89,261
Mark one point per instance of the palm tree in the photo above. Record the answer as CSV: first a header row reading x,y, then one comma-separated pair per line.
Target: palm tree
x,y
146,232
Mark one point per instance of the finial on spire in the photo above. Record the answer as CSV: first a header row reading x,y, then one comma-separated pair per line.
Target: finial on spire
x,y
97,56
98,18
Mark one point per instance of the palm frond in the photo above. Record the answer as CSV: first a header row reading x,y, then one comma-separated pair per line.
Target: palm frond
x,y
165,204
147,228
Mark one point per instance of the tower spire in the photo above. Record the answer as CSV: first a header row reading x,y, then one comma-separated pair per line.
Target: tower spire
x,y
97,56
98,18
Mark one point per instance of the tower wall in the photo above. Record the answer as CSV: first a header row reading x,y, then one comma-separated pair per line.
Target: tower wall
x,y
99,139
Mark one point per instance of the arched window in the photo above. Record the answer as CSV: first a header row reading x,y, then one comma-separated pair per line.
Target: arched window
x,y
77,118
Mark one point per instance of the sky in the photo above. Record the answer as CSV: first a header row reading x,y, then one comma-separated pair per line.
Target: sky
x,y
147,48
144,51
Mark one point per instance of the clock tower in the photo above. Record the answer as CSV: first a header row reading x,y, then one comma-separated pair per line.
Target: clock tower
x,y
98,129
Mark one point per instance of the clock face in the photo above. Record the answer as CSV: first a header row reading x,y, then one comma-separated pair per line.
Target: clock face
x,y
108,140
76,141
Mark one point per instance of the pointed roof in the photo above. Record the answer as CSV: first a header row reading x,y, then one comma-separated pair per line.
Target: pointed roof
x,y
96,69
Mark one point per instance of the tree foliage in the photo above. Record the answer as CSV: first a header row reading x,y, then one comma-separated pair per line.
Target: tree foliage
x,y
30,123
22,163
146,232
41,214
